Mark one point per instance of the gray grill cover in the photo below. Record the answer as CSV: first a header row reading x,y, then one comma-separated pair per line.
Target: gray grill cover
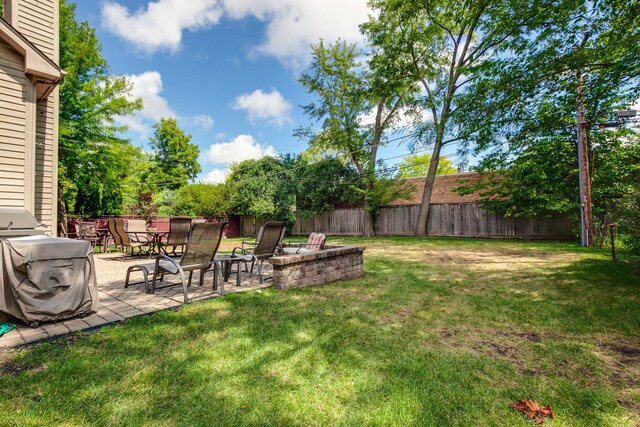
x,y
47,278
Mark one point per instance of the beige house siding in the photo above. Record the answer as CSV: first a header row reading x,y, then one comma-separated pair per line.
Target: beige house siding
x,y
44,176
13,85
28,125
36,19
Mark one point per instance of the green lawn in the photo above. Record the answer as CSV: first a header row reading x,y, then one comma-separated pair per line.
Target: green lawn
x,y
439,332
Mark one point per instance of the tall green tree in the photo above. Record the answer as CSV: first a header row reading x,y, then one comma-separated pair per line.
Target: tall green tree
x,y
521,110
418,165
207,200
175,158
259,188
93,159
322,184
348,91
437,43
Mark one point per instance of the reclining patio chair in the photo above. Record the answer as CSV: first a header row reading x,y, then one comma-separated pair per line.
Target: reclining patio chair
x,y
179,229
271,236
137,231
117,240
198,255
251,242
143,247
315,242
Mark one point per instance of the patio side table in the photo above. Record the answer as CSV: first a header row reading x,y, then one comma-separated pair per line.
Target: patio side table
x,y
227,262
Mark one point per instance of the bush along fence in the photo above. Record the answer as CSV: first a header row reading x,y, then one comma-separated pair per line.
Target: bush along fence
x,y
448,219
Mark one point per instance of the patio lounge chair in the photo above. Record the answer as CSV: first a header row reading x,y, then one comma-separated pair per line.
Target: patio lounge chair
x,y
137,231
315,242
251,242
126,242
271,236
178,235
199,254
117,240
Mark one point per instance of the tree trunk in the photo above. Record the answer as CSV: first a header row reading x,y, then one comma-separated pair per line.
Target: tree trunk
x,y
423,215
62,211
369,218
369,229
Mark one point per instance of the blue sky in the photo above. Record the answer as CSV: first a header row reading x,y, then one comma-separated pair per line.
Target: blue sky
x,y
227,70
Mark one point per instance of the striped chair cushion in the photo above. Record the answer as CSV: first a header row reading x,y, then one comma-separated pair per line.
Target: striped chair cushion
x,y
316,241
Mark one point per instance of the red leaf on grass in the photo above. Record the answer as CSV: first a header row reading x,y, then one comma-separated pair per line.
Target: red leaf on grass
x,y
533,410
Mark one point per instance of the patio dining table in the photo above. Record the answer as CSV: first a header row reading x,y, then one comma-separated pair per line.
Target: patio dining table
x,y
103,234
155,239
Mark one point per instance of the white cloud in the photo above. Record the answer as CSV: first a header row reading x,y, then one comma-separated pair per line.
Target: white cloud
x,y
200,120
291,25
216,176
148,86
270,107
161,24
242,147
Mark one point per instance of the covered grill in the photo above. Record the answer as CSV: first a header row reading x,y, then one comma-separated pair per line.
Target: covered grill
x,y
43,278
17,222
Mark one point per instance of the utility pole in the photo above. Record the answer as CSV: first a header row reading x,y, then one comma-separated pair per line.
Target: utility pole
x,y
583,168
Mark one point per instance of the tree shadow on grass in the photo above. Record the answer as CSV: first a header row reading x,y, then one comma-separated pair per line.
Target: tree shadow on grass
x,y
357,353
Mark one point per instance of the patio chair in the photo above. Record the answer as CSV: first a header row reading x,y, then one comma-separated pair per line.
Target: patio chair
x,y
251,242
126,242
117,240
137,231
315,242
198,255
86,230
266,247
63,232
179,228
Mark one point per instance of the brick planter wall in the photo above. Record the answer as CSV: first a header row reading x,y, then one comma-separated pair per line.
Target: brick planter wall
x,y
318,268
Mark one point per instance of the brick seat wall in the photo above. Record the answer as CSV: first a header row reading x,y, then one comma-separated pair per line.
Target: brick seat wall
x,y
318,268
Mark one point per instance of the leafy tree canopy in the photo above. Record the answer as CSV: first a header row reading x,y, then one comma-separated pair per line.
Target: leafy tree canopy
x,y
519,110
175,158
93,160
206,200
322,184
259,188
418,165
347,91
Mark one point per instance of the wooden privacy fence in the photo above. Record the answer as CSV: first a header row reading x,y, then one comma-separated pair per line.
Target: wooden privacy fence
x,y
471,220
455,219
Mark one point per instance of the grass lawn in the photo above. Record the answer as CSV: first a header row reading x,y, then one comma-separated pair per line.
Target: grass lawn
x,y
439,332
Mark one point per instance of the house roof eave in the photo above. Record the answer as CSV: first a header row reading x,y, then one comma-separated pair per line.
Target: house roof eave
x,y
37,65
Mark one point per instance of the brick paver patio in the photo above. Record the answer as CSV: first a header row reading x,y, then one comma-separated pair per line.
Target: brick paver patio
x,y
118,303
